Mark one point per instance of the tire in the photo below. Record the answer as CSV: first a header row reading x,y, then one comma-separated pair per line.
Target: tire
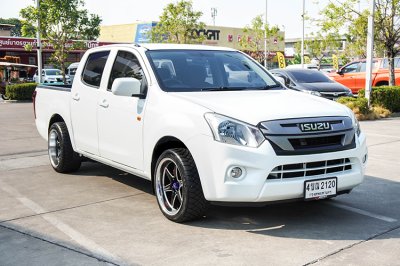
x,y
177,186
63,159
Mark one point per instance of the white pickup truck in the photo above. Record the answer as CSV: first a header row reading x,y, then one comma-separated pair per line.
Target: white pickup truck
x,y
200,136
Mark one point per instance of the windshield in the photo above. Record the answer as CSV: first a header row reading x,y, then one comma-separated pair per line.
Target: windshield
x,y
310,76
203,70
53,72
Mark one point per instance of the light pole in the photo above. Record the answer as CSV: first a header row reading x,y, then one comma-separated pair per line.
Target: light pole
x,y
265,34
370,51
302,36
39,45
213,14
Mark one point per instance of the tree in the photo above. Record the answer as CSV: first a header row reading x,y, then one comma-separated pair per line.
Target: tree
x,y
318,46
62,21
253,37
179,23
341,16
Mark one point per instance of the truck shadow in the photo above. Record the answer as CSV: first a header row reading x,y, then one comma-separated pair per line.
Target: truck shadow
x,y
325,219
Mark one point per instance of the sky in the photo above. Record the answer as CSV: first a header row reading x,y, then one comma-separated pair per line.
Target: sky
x,y
230,13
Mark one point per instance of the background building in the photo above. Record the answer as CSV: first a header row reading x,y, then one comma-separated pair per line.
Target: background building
x,y
5,29
215,35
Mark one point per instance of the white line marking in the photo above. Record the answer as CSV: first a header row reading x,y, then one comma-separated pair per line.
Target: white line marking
x,y
362,212
79,238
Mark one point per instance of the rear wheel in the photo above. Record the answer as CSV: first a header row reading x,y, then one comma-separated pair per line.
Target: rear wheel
x,y
62,156
177,186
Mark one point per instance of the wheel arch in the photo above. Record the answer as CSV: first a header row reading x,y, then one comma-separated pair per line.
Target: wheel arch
x,y
163,144
382,83
54,119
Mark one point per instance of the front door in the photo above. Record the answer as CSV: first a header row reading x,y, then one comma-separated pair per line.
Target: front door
x,y
84,103
120,118
347,77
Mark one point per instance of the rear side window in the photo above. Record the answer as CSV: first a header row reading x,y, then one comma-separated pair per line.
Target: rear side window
x,y
385,63
94,67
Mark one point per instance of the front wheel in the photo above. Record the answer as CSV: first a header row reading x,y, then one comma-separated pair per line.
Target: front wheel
x,y
62,156
177,186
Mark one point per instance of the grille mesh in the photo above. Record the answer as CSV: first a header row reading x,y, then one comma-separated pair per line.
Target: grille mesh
x,y
311,169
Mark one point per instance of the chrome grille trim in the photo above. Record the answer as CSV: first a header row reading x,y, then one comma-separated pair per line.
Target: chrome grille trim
x,y
341,165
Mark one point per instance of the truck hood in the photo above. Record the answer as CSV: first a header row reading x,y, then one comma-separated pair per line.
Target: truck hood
x,y
324,87
254,107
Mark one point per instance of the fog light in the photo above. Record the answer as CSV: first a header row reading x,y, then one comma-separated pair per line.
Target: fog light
x,y
364,160
236,172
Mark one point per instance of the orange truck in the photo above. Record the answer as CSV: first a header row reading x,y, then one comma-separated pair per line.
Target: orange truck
x,y
352,75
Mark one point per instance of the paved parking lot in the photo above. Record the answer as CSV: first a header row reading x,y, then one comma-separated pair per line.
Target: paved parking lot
x,y
102,216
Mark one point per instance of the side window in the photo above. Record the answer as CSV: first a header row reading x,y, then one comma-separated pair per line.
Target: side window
x,y
363,66
397,62
385,63
94,67
350,68
126,65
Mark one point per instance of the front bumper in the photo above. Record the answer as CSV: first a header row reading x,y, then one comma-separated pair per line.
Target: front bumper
x,y
214,161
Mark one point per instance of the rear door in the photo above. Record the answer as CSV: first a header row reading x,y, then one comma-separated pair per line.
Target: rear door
x,y
347,78
84,102
120,118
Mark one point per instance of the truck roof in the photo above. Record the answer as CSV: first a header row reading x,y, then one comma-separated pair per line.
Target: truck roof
x,y
169,46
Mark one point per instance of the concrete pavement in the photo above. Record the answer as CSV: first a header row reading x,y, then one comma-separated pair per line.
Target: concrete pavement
x,y
100,215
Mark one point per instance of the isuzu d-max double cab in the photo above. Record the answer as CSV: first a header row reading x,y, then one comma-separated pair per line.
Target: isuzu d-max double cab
x,y
199,134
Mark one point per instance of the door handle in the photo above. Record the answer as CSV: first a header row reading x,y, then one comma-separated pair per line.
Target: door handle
x,y
104,103
76,97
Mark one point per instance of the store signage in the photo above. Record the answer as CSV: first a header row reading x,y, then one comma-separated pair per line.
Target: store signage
x,y
16,43
210,34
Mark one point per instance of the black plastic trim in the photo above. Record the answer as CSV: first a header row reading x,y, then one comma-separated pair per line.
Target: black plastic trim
x,y
333,148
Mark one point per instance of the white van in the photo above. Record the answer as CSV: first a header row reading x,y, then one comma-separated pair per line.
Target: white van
x,y
72,69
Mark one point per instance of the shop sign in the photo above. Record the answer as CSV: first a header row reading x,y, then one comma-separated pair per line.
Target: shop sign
x,y
210,34
16,43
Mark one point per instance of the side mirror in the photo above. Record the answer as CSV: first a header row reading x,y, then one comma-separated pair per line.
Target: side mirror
x,y
340,72
126,87
280,80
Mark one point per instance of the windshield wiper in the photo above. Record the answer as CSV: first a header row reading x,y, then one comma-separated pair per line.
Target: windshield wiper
x,y
224,89
266,87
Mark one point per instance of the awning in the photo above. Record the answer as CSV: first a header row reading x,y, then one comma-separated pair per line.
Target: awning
x,y
15,64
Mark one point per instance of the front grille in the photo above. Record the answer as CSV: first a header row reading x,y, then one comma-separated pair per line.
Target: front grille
x,y
333,94
299,136
308,143
307,169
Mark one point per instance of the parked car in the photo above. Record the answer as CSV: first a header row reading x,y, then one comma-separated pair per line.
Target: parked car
x,y
197,135
51,76
313,82
352,75
305,66
71,70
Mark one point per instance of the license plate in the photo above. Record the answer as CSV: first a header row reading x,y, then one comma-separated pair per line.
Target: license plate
x,y
320,188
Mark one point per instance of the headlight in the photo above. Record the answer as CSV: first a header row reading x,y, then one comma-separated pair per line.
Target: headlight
x,y
315,93
357,127
231,131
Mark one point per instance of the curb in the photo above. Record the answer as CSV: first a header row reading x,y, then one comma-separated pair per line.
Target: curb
x,y
15,101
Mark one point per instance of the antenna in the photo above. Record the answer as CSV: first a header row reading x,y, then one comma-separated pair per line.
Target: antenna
x,y
214,12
